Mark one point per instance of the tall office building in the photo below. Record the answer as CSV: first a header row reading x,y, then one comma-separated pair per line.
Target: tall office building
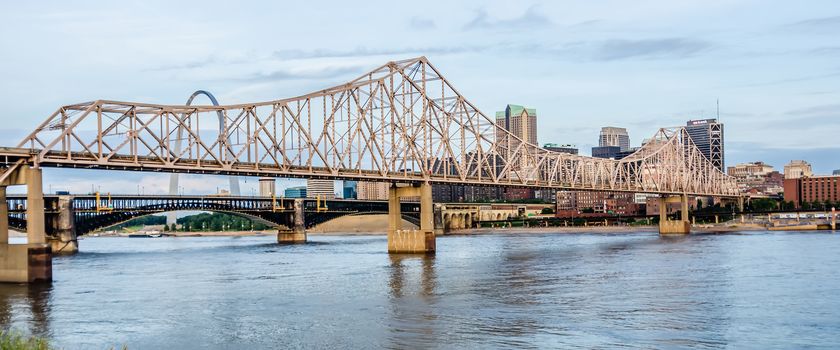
x,y
707,135
295,192
836,172
519,121
798,168
349,188
320,188
267,186
614,137
612,152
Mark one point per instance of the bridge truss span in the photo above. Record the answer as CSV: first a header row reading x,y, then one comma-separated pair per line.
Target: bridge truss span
x,y
401,122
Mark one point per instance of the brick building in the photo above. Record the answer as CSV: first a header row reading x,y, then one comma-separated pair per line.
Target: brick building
x,y
614,203
757,178
813,189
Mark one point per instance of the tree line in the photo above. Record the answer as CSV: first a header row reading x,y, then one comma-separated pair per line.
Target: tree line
x,y
198,222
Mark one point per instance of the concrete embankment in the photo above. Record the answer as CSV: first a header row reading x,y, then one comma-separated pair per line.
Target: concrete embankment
x,y
357,225
557,229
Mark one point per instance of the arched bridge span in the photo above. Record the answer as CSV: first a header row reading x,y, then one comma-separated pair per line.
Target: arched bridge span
x,y
89,213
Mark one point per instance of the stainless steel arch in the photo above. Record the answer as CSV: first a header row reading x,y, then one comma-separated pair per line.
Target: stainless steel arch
x,y
173,178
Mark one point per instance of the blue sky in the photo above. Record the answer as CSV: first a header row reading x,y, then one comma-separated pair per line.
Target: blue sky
x,y
774,65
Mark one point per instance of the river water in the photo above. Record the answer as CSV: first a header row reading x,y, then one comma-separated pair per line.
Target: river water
x,y
740,290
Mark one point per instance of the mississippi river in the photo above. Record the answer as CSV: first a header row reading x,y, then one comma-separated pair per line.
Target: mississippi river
x,y
637,290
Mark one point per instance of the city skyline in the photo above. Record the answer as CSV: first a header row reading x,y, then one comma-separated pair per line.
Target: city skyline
x,y
604,67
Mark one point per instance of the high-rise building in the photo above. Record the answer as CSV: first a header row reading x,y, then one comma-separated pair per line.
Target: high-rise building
x,y
547,195
349,188
519,121
372,190
608,152
612,152
614,137
797,168
267,186
707,135
295,192
570,149
836,172
320,188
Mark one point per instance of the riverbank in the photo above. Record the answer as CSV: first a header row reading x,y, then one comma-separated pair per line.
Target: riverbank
x,y
191,234
223,234
555,229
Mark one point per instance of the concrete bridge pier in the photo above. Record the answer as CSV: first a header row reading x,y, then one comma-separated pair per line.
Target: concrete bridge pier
x,y
30,262
440,224
833,218
411,241
297,233
64,241
674,227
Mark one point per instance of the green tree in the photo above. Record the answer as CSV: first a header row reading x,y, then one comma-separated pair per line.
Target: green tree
x,y
788,205
817,205
216,225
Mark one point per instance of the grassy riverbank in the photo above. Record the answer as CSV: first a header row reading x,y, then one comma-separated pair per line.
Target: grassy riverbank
x,y
10,340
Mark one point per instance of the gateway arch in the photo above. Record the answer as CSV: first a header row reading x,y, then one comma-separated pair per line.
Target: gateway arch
x,y
173,178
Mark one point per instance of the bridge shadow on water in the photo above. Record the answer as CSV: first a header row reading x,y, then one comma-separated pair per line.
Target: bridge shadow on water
x,y
210,245
412,315
26,308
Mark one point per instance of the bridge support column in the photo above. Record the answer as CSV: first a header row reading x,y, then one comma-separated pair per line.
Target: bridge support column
x,y
411,241
833,218
298,232
440,225
4,217
674,227
30,262
64,241
35,228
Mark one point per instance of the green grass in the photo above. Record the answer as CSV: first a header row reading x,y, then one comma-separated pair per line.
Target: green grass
x,y
15,341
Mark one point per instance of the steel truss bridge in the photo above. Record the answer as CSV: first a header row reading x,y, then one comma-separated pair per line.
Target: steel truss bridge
x,y
92,212
402,122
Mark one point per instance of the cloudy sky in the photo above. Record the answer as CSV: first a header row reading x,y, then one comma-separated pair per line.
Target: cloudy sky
x,y
774,65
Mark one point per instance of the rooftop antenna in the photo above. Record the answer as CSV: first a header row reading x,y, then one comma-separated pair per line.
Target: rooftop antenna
x,y
717,103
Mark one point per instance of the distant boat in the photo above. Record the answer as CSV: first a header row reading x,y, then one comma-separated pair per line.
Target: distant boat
x,y
150,234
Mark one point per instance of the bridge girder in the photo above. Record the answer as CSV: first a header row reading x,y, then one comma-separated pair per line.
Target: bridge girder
x,y
401,122
126,207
